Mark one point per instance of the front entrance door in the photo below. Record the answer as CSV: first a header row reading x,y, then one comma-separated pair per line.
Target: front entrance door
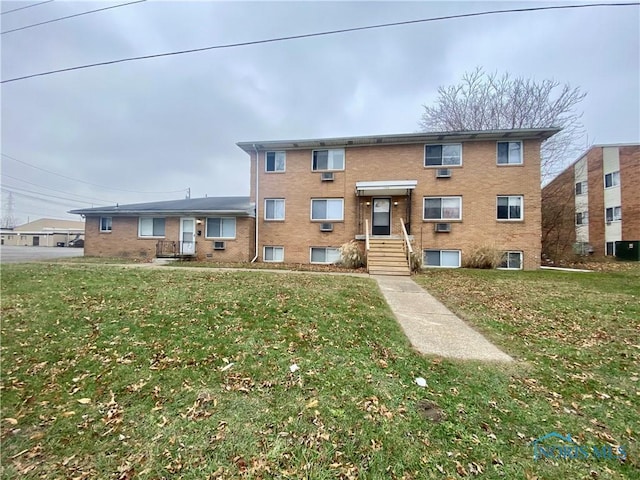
x,y
381,216
187,236
36,241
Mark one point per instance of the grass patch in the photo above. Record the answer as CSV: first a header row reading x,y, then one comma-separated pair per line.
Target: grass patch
x,y
119,372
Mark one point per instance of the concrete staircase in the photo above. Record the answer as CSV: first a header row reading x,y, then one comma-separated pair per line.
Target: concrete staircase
x,y
386,257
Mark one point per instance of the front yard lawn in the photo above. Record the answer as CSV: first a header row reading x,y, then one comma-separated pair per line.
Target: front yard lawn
x,y
113,372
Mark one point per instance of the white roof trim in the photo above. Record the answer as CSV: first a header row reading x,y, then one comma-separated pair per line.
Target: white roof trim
x,y
385,187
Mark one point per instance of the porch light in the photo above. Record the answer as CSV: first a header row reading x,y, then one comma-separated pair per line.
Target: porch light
x,y
395,204
368,204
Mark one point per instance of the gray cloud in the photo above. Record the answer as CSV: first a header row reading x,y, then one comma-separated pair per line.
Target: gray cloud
x,y
170,123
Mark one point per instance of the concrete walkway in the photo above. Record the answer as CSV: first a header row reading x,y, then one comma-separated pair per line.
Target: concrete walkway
x,y
431,328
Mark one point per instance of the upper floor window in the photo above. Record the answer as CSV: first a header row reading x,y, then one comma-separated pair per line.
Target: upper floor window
x,y
275,161
274,209
581,188
612,179
221,227
328,160
509,153
582,218
151,227
510,207
613,214
442,208
330,209
443,155
105,224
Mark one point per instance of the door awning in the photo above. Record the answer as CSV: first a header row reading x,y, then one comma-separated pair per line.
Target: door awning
x,y
385,187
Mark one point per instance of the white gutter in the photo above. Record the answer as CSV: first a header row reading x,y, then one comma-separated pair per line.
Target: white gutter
x,y
257,202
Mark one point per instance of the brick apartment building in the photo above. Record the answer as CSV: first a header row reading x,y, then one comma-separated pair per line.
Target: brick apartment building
x,y
455,192
452,192
593,203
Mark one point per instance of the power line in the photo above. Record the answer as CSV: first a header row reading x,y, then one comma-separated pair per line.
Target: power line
x,y
319,34
71,16
96,200
83,181
18,190
28,6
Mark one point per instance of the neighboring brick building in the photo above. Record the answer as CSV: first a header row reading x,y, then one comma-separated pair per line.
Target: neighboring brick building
x,y
455,191
215,228
594,203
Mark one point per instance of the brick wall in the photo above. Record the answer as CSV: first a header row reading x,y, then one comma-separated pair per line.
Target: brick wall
x,y
123,240
478,182
596,200
630,191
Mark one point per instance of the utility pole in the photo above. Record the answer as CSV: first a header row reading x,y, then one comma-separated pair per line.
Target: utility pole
x,y
188,192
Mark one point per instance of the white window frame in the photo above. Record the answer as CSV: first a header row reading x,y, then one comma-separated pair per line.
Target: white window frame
x,y
273,249
614,210
442,219
275,219
278,155
330,160
509,162
326,251
140,219
521,197
109,226
614,179
583,186
507,254
582,218
441,251
223,220
340,219
442,157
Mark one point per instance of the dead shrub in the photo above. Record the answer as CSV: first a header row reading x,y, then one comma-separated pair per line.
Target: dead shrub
x,y
484,256
350,255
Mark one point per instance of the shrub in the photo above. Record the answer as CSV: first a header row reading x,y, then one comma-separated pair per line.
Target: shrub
x,y
350,255
483,257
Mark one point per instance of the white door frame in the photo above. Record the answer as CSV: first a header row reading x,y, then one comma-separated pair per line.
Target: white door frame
x,y
187,246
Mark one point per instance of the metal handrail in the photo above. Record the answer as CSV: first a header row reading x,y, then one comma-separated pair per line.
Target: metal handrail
x,y
406,238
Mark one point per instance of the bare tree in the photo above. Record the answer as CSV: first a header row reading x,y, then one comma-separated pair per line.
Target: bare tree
x,y
483,101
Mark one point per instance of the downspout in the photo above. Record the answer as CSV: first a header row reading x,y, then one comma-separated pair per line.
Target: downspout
x,y
257,201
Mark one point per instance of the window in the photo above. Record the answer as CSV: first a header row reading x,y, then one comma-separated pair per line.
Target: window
x,y
511,261
443,155
613,214
441,258
442,208
581,188
273,254
221,227
151,227
275,161
582,218
509,153
105,224
327,209
325,255
274,209
612,179
510,208
611,248
328,160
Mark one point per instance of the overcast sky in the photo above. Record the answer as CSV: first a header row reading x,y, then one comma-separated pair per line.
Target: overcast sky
x,y
167,124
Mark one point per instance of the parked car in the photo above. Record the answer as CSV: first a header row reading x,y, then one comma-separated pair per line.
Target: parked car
x,y
77,242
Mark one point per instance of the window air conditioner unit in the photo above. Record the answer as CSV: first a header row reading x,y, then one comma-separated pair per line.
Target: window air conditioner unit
x,y
326,227
219,246
443,173
442,227
327,176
